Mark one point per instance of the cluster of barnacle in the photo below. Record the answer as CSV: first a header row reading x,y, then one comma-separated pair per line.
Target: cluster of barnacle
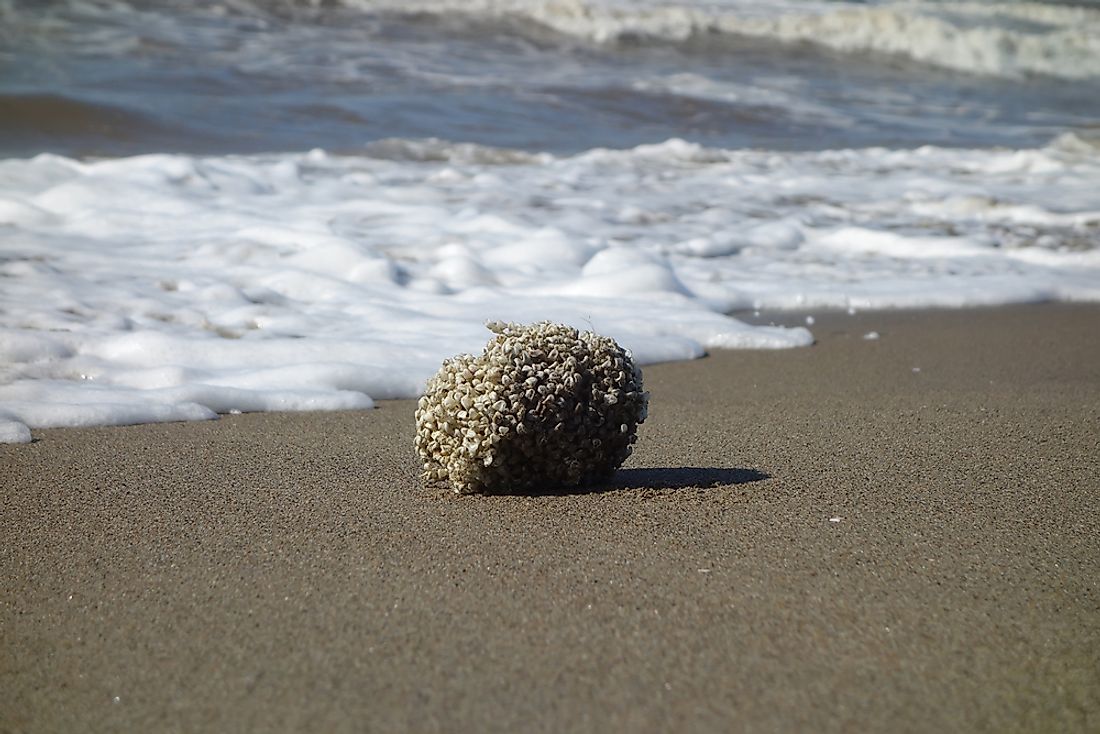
x,y
546,405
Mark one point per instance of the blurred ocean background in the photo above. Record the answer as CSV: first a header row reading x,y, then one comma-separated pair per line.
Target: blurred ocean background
x,y
280,204
107,77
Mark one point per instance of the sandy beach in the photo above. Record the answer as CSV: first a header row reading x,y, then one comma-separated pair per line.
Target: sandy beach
x,y
894,534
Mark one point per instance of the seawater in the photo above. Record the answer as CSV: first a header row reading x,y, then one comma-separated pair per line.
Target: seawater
x,y
207,207
111,78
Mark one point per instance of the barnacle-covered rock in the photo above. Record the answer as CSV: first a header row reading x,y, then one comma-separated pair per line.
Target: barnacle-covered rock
x,y
546,405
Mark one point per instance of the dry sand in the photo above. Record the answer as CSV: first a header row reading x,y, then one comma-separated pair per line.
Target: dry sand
x,y
819,540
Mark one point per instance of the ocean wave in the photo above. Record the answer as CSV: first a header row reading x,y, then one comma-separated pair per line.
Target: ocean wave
x,y
999,39
256,76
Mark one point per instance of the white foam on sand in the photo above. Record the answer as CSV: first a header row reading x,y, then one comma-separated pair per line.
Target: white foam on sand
x,y
170,287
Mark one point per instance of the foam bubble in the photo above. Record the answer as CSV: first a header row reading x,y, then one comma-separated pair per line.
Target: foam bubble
x,y
14,432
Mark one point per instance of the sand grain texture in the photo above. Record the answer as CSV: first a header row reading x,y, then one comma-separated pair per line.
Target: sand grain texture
x,y
290,572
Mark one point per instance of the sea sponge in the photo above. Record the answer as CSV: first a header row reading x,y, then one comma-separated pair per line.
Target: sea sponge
x,y
546,405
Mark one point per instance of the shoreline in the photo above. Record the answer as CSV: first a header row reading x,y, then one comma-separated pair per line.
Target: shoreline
x,y
898,534
837,321
836,316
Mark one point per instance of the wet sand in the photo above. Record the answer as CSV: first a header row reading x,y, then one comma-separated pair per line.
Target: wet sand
x,y
819,540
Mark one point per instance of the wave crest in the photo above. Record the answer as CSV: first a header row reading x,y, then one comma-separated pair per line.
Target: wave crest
x,y
997,39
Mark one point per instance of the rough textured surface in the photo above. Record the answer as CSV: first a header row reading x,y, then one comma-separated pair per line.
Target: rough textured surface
x,y
281,572
544,405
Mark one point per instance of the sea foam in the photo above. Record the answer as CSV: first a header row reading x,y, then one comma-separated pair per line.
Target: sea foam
x,y
172,287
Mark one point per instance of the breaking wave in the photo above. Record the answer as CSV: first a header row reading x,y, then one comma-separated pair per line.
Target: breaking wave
x,y
998,39
1001,39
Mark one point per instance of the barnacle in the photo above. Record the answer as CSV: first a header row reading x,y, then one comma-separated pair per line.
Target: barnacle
x,y
545,405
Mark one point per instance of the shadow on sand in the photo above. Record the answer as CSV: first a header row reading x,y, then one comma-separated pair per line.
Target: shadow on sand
x,y
681,477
